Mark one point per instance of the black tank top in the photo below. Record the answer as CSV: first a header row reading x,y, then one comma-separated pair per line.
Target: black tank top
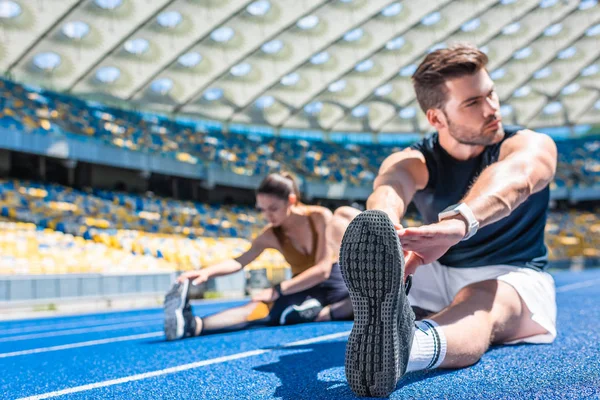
x,y
517,239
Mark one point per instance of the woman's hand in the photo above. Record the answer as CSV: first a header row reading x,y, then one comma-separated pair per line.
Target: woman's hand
x,y
268,295
197,277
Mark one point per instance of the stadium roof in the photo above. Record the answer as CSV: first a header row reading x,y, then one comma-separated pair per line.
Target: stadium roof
x,y
341,65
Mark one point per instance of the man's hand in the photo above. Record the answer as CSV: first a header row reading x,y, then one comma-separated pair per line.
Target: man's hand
x,y
427,243
411,260
266,295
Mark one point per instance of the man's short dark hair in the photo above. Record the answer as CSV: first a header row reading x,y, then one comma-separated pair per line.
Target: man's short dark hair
x,y
441,65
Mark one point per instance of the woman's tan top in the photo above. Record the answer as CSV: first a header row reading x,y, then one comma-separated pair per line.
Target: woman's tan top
x,y
299,262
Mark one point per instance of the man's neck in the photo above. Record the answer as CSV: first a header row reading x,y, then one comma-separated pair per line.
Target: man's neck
x,y
457,150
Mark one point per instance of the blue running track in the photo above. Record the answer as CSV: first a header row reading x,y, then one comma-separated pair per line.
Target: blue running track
x,y
123,355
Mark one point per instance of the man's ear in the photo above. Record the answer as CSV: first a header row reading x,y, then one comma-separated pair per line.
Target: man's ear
x,y
437,118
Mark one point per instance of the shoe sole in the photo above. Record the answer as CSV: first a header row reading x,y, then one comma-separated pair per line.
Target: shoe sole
x,y
312,303
173,307
372,264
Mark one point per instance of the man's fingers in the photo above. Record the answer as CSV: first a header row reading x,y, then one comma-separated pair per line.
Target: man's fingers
x,y
427,230
407,246
420,231
422,240
409,239
412,261
413,246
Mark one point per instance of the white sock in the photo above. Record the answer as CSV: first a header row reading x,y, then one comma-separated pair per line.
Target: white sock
x,y
428,347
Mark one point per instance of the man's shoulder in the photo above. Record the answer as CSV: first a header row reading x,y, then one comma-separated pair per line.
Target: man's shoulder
x,y
519,137
510,132
426,144
513,129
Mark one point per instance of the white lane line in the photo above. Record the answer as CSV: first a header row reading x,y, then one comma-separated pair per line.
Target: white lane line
x,y
79,324
179,368
113,327
81,344
317,339
92,319
577,285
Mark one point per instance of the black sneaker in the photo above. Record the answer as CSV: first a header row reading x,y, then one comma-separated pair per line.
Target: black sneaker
x,y
179,320
297,314
372,264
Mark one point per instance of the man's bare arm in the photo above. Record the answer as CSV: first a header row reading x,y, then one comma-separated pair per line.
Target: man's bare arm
x,y
526,165
399,178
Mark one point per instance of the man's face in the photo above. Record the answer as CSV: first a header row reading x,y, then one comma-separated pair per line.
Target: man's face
x,y
472,110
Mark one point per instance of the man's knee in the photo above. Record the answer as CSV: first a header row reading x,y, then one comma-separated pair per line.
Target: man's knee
x,y
346,212
480,293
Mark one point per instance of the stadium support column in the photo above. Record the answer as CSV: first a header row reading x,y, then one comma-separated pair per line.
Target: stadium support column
x,y
70,165
209,181
175,188
5,160
145,175
195,189
42,168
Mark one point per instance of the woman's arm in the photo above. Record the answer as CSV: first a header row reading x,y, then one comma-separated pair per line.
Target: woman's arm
x,y
259,244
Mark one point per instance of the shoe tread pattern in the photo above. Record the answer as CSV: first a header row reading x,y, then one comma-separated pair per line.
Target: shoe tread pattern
x,y
372,264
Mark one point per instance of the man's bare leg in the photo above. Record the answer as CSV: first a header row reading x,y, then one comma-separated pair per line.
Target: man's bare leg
x,y
421,313
336,228
481,314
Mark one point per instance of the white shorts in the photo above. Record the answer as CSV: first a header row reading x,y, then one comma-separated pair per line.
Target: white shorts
x,y
434,287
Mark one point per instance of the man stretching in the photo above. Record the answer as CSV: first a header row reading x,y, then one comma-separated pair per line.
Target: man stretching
x,y
478,261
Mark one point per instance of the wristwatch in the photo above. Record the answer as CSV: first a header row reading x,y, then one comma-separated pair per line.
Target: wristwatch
x,y
466,213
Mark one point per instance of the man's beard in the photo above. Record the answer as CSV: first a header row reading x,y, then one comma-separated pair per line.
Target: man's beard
x,y
474,137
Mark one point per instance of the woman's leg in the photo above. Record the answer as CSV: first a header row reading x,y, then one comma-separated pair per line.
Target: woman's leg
x,y
339,311
233,319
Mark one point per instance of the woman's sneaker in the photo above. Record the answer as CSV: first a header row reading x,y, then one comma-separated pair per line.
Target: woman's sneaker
x,y
179,320
298,314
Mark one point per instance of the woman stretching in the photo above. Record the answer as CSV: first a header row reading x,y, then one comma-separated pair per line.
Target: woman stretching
x,y
308,237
